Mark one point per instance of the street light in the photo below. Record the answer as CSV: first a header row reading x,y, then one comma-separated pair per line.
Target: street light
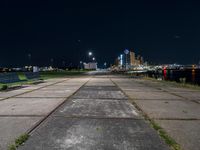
x,y
93,59
126,51
90,53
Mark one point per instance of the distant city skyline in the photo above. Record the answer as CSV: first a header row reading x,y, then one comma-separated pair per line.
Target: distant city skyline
x,y
38,31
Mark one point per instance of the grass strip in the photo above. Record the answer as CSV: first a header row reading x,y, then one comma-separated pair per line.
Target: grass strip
x,y
163,134
19,141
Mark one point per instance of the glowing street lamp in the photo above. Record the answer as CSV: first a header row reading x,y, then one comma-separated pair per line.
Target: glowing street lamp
x,y
93,59
126,51
90,53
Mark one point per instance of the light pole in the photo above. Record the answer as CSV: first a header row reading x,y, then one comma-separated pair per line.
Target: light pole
x,y
126,51
29,57
81,63
90,54
51,62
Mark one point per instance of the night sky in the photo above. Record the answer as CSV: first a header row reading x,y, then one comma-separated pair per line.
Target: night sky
x,y
162,31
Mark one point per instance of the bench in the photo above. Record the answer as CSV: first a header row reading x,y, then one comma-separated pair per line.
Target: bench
x,y
9,77
32,75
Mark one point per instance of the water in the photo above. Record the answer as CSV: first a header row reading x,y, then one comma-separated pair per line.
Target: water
x,y
185,75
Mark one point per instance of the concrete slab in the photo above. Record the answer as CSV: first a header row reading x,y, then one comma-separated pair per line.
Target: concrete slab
x,y
185,132
170,109
91,134
176,89
100,94
152,95
29,106
62,87
140,89
46,84
125,81
99,84
129,84
49,93
189,95
12,127
98,108
13,93
56,79
70,84
100,88
33,87
77,81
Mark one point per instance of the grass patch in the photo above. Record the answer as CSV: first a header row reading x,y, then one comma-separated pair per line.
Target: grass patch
x,y
3,87
155,126
12,147
21,76
19,141
60,74
168,140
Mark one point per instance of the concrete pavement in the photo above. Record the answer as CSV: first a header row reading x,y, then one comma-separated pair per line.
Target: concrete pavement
x,y
175,109
22,109
98,117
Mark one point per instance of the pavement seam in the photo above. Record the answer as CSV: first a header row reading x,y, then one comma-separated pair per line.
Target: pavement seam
x,y
29,131
109,99
158,99
95,117
178,119
22,115
32,90
101,99
42,97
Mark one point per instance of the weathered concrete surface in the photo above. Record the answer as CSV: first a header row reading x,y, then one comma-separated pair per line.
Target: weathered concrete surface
x,y
152,95
170,109
185,132
29,106
99,116
19,114
100,94
98,108
100,88
170,105
94,134
13,93
13,127
62,87
176,89
190,95
100,82
48,93
33,87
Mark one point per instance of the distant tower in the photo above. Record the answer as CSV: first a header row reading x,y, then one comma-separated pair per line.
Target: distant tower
x,y
132,58
138,60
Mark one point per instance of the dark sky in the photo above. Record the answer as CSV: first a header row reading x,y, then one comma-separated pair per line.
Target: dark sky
x,y
162,31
